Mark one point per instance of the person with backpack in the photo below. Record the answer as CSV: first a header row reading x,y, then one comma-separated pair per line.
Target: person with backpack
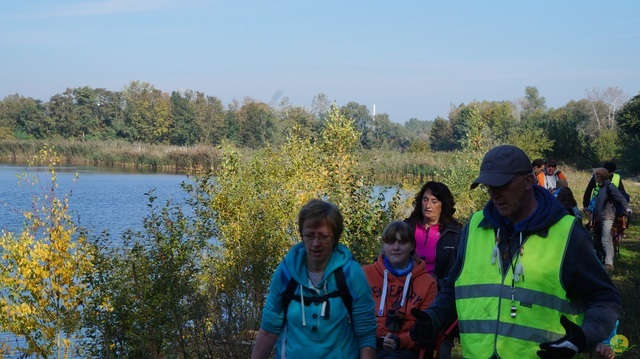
x,y
550,176
592,187
399,282
319,303
609,203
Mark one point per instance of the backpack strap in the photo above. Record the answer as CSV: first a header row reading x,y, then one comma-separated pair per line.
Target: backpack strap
x,y
343,291
287,296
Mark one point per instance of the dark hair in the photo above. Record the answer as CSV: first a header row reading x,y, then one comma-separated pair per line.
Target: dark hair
x,y
538,162
443,194
398,228
565,196
320,212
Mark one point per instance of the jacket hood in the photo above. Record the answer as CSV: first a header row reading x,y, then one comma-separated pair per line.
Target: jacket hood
x,y
548,212
295,261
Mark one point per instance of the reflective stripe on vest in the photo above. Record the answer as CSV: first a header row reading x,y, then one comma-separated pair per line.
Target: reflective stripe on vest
x,y
614,181
483,295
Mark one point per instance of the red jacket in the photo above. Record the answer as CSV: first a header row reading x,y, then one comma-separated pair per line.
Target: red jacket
x,y
422,290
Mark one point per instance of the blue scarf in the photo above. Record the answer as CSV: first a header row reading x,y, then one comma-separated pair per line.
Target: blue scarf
x,y
398,272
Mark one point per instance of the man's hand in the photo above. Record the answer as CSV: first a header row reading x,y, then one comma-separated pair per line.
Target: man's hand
x,y
566,347
422,331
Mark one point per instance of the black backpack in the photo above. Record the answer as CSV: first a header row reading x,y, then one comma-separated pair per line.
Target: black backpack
x,y
343,292
619,208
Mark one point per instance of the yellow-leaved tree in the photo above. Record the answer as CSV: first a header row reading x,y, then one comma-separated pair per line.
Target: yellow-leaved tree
x,y
42,270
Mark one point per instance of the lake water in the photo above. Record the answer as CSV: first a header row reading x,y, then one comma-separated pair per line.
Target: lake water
x,y
102,198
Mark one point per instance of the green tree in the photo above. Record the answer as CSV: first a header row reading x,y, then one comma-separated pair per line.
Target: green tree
x,y
499,118
532,103
296,118
147,113
9,110
184,129
363,122
62,111
210,117
78,113
24,117
389,135
441,136
257,124
561,127
628,121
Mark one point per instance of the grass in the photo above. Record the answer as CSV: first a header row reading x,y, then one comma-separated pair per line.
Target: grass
x,y
626,278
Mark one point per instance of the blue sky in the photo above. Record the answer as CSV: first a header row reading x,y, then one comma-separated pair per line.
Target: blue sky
x,y
412,59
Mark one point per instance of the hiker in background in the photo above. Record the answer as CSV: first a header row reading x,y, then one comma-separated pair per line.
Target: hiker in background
x,y
550,176
399,282
307,314
568,201
522,248
592,187
604,213
537,166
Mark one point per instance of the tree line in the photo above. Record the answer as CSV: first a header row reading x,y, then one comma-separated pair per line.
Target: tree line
x,y
584,132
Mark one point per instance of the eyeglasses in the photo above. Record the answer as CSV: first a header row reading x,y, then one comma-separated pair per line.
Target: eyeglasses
x,y
322,237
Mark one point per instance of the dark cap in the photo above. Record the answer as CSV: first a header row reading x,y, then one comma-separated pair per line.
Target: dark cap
x,y
610,166
500,164
551,161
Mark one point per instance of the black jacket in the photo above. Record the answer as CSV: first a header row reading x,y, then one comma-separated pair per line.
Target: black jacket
x,y
446,249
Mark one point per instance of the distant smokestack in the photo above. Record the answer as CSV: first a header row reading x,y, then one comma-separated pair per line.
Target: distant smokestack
x,y
374,110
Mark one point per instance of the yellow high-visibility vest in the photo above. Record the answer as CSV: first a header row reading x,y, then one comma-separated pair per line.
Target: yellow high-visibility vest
x,y
484,296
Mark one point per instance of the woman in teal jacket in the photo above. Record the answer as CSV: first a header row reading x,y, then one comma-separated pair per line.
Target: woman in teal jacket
x,y
305,316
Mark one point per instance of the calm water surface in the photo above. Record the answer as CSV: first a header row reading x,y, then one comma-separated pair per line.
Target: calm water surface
x,y
110,199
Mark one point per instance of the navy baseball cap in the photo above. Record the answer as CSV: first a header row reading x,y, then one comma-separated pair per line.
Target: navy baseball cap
x,y
500,164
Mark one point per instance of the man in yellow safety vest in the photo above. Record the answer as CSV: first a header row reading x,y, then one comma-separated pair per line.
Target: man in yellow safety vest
x,y
526,282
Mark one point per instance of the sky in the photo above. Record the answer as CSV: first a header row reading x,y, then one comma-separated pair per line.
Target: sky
x,y
411,59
